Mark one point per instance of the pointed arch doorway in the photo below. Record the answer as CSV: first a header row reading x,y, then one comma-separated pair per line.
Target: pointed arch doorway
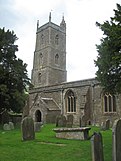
x,y
38,116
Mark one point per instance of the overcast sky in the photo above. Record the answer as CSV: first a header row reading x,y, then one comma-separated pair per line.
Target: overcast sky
x,y
82,34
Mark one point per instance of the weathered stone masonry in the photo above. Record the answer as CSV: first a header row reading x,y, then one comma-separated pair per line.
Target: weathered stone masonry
x,y
52,95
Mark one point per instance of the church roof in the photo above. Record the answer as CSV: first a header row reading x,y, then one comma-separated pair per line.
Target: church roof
x,y
51,104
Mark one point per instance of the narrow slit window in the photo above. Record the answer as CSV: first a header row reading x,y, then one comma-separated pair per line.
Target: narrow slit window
x,y
56,59
56,39
39,77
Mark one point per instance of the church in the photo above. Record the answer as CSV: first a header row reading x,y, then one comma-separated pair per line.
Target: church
x,y
52,95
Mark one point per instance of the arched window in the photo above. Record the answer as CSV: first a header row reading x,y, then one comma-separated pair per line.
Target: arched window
x,y
70,101
109,103
56,58
56,39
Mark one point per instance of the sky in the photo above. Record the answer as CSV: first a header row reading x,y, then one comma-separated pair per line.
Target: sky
x,y
82,34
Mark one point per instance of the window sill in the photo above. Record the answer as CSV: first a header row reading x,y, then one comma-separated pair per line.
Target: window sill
x,y
110,113
71,112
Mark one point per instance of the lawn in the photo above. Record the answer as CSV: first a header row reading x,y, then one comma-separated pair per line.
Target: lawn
x,y
46,147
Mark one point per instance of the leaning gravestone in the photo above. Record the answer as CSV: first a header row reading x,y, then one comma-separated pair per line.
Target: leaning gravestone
x,y
117,140
61,121
69,122
97,147
107,124
37,126
27,127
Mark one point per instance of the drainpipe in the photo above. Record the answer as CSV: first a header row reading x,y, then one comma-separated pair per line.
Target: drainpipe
x,y
62,108
93,113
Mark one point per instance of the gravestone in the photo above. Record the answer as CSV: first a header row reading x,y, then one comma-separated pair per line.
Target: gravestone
x,y
117,140
69,122
27,127
11,124
61,121
37,126
107,124
6,127
102,126
97,147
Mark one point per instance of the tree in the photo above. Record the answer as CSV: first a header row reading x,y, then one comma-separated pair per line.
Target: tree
x,y
109,54
13,74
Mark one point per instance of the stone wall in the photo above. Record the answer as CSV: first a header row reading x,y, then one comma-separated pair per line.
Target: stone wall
x,y
98,114
51,116
89,101
82,91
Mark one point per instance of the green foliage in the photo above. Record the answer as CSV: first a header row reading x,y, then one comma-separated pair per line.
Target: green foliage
x,y
109,54
13,74
47,147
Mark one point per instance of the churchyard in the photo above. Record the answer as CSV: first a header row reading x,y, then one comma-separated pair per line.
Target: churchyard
x,y
46,146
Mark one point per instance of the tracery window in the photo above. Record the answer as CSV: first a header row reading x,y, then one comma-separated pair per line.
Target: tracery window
x,y
109,103
70,101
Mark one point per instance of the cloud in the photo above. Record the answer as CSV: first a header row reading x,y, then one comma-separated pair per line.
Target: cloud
x,y
82,34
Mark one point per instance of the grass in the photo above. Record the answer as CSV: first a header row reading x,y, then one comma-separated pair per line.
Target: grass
x,y
46,147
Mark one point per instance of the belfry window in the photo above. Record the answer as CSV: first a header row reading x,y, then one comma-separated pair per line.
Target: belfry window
x,y
56,59
56,39
70,101
109,103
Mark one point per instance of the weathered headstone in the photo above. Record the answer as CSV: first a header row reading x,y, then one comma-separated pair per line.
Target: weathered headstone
x,y
107,124
69,122
37,126
27,127
117,140
61,121
97,147
102,126
11,124
6,127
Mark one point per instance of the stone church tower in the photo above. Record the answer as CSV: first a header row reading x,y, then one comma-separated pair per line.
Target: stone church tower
x,y
51,95
49,63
